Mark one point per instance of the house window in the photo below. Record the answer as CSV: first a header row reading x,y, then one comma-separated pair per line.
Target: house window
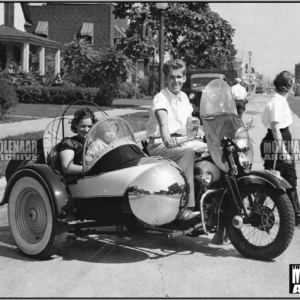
x,y
9,14
42,29
87,32
118,35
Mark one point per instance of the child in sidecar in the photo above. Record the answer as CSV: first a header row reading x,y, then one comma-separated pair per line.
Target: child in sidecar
x,y
107,133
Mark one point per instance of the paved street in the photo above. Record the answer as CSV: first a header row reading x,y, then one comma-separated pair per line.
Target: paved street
x,y
143,266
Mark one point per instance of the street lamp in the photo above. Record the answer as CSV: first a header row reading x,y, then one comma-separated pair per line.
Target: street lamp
x,y
161,7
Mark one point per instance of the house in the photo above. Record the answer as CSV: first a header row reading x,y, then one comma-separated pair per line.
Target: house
x,y
64,21
95,21
15,41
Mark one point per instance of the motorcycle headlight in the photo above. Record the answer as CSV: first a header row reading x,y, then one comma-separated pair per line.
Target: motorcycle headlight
x,y
192,96
244,160
206,178
241,138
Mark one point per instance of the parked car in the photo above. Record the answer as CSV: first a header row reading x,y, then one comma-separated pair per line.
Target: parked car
x,y
197,83
259,90
297,89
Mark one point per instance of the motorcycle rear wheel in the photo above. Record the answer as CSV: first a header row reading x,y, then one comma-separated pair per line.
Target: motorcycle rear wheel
x,y
271,226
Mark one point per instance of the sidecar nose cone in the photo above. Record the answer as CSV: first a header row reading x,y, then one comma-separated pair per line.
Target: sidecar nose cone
x,y
156,195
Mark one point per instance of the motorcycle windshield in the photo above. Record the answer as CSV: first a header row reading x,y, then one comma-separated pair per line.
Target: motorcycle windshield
x,y
220,119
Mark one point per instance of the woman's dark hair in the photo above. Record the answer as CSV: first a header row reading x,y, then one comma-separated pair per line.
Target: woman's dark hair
x,y
283,81
80,114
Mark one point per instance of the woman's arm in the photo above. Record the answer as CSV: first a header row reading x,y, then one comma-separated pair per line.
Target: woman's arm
x,y
162,118
278,137
67,164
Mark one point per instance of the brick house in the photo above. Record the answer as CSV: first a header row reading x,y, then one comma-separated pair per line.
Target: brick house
x,y
95,21
15,41
62,21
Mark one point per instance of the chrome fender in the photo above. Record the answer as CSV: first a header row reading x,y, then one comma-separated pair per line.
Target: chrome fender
x,y
54,185
158,195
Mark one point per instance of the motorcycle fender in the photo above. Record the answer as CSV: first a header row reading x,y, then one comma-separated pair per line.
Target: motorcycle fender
x,y
54,183
264,178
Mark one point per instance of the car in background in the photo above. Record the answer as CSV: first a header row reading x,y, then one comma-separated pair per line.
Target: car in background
x,y
197,83
259,90
297,89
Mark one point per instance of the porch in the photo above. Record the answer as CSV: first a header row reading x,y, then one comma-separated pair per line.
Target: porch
x,y
14,44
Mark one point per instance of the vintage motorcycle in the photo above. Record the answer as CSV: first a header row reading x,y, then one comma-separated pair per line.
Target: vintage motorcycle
x,y
251,205
123,186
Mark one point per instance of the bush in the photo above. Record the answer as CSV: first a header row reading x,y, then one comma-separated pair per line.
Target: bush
x,y
8,97
144,86
154,78
126,90
63,95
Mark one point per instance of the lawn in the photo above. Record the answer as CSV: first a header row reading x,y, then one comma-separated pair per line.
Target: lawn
x,y
24,111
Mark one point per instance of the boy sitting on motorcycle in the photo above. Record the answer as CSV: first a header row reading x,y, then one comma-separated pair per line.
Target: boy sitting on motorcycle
x,y
170,112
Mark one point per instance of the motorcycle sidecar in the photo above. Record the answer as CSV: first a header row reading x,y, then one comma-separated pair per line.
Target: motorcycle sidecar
x,y
120,185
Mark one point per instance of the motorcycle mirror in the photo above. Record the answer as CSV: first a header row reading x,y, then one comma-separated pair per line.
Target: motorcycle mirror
x,y
193,124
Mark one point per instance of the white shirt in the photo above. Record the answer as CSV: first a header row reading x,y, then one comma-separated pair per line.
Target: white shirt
x,y
238,92
94,149
178,108
277,110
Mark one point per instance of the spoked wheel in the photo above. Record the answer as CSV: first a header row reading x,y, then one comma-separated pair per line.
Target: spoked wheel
x,y
270,227
33,225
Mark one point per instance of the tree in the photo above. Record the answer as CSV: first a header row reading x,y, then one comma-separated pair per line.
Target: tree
x,y
192,31
92,68
78,59
8,97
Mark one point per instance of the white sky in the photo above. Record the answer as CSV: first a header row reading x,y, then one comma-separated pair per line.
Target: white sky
x,y
271,31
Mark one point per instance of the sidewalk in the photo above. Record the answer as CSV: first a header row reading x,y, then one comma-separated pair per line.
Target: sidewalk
x,y
40,124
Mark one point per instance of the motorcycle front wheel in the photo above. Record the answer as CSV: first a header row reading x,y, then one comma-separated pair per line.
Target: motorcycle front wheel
x,y
270,227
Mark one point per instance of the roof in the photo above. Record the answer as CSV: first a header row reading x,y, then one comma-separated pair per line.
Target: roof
x,y
11,34
26,13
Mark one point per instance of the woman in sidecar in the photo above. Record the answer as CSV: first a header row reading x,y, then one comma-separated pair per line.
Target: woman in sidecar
x,y
119,184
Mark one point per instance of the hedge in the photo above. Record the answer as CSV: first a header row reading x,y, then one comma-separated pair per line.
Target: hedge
x,y
62,95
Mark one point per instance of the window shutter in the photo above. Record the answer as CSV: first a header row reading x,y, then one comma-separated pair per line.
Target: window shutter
x,y
6,13
9,14
12,14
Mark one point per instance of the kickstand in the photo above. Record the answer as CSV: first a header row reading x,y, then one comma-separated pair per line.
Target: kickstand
x,y
220,236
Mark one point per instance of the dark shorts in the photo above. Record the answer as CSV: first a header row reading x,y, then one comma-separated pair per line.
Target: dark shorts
x,y
240,106
288,172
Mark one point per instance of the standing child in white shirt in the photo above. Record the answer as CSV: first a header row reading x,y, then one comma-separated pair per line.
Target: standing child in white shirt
x,y
277,118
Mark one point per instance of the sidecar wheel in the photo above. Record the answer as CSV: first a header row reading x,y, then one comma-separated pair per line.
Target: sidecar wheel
x,y
34,228
271,224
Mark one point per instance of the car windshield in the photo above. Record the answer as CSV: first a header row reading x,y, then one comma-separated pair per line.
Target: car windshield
x,y
105,135
202,81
